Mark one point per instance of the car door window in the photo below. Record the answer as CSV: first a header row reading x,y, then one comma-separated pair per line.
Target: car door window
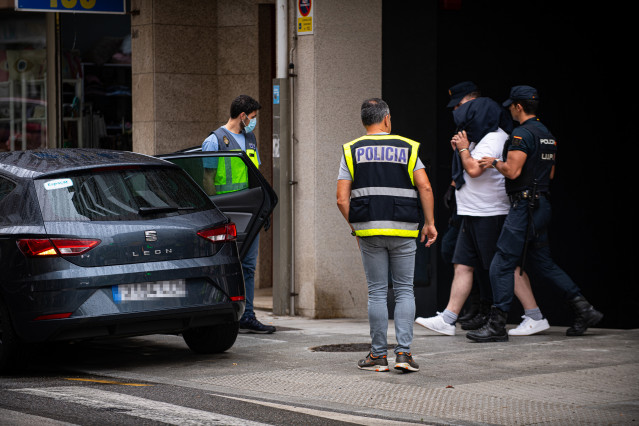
x,y
218,175
248,205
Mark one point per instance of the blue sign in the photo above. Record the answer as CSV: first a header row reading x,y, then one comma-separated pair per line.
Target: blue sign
x,y
75,6
276,94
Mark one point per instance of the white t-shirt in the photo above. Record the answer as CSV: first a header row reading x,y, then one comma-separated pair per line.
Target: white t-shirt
x,y
485,195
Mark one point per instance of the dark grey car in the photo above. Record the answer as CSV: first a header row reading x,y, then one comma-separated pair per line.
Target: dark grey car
x,y
97,243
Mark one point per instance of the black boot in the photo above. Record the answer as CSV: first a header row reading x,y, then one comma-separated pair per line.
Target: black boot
x,y
494,330
479,319
585,316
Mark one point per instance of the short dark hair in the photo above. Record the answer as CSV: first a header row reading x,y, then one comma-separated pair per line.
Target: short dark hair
x,y
529,106
244,104
373,111
476,94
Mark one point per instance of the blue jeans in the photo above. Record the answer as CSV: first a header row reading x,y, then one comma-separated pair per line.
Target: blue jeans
x,y
379,255
248,268
510,247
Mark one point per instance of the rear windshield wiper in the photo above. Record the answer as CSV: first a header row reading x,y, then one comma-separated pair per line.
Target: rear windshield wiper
x,y
162,209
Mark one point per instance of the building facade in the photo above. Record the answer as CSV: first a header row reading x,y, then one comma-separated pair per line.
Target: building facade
x,y
161,77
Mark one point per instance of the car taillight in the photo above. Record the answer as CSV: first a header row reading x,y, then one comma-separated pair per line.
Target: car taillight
x,y
39,247
222,233
53,316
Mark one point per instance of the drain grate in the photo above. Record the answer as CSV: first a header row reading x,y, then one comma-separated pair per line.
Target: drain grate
x,y
345,347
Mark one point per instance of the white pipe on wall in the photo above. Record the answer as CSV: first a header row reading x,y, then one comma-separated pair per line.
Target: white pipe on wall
x,y
281,18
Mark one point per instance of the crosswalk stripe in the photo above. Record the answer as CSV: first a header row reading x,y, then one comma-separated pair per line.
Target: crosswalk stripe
x,y
349,418
136,406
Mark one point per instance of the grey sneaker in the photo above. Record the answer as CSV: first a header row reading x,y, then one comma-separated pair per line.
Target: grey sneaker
x,y
373,363
404,362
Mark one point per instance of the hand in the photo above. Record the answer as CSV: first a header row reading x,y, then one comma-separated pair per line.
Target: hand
x,y
461,140
430,232
486,162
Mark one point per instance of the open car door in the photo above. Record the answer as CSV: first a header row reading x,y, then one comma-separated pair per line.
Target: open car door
x,y
249,208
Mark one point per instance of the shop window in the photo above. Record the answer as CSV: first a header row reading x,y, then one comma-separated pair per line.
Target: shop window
x,y
96,81
23,105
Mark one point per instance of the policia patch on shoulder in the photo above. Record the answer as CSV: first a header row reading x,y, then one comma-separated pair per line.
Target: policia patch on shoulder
x,y
517,140
225,140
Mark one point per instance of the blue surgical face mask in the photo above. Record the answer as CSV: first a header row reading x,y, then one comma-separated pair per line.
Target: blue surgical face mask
x,y
252,123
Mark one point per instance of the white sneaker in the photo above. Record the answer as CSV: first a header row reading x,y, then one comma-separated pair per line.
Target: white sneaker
x,y
437,324
529,326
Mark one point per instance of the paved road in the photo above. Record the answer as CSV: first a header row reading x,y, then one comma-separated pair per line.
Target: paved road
x,y
284,378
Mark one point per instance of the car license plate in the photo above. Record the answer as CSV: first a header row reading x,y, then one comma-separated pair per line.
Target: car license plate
x,y
146,291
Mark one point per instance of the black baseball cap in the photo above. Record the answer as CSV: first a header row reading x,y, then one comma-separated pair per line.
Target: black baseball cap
x,y
458,91
521,93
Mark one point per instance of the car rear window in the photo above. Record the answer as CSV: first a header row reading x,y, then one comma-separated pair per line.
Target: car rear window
x,y
119,194
6,186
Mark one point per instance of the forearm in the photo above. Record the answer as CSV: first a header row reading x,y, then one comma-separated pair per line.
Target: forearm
x,y
511,168
470,164
426,197
343,208
508,170
428,202
209,181
344,197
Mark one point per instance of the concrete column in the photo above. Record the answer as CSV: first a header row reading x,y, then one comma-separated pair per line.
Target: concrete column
x,y
338,67
190,59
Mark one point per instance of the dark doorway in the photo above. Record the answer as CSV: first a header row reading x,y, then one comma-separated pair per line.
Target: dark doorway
x,y
266,40
574,58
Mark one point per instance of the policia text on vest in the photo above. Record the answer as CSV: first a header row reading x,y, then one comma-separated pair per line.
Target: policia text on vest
x,y
384,200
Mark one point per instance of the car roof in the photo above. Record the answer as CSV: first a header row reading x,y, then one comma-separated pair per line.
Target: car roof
x,y
40,162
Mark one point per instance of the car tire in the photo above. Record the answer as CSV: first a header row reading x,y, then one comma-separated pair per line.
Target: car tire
x,y
9,343
212,339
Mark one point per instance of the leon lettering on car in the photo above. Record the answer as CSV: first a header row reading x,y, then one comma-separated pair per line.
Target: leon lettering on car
x,y
151,252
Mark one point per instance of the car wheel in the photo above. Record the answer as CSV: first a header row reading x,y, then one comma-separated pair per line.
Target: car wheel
x,y
9,344
212,339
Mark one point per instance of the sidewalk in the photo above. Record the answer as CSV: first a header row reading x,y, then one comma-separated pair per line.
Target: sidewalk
x,y
542,379
545,379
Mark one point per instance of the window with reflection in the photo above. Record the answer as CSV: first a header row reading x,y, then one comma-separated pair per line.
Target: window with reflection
x,y
23,65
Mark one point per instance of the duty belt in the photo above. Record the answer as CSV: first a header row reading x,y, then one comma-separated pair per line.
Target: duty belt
x,y
525,195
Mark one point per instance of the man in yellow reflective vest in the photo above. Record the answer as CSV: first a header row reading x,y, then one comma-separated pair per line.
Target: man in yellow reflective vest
x,y
224,175
380,187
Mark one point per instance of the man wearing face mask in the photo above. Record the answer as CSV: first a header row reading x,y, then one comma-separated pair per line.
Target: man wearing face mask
x,y
225,175
482,205
461,93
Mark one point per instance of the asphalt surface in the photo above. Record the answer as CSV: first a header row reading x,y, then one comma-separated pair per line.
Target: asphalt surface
x,y
308,367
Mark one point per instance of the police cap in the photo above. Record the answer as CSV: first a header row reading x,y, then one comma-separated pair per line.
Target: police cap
x,y
458,91
521,93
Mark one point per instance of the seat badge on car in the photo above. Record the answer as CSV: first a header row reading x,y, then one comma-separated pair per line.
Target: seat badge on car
x,y
150,236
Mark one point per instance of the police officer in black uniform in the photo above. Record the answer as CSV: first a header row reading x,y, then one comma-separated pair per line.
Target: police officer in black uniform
x,y
529,165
